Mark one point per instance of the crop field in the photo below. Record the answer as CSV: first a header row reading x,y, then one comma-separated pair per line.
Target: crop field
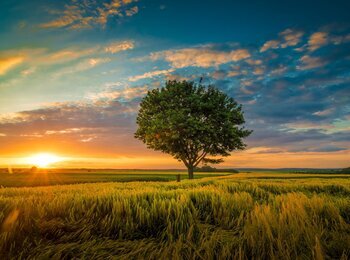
x,y
238,216
47,177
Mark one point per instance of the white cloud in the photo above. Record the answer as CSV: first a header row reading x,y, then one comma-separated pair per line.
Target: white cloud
x,y
150,74
325,112
119,46
126,93
81,66
28,71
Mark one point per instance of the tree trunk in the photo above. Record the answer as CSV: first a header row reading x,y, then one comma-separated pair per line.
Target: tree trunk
x,y
190,172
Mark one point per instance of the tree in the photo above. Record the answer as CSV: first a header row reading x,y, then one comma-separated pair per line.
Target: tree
x,y
191,122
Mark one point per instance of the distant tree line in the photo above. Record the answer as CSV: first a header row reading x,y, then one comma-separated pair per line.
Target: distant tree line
x,y
208,168
345,170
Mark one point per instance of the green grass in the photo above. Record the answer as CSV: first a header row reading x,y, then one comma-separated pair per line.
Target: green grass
x,y
242,216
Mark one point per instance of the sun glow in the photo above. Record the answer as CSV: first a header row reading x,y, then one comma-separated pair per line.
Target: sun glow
x,y
43,159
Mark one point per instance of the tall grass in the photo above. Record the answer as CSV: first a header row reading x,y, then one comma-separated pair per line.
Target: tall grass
x,y
227,218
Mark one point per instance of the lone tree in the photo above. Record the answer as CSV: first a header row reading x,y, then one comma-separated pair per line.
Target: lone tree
x,y
191,122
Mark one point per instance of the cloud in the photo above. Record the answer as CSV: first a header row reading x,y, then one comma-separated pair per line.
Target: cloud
x,y
325,112
291,37
264,150
317,40
288,37
324,38
150,74
120,93
253,62
200,57
258,71
64,55
83,65
89,13
68,117
273,44
34,58
233,73
328,148
296,102
178,77
119,46
92,126
28,71
8,63
219,74
309,62
279,70
132,11
64,131
69,16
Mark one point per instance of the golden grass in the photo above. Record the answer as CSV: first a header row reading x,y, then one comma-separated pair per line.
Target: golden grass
x,y
232,217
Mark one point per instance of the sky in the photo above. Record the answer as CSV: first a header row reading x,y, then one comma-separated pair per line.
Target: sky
x,y
73,72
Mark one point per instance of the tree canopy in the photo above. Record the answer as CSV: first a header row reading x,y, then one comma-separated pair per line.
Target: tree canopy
x,y
192,122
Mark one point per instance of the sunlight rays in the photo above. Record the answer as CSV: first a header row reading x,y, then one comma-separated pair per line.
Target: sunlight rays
x,y
43,159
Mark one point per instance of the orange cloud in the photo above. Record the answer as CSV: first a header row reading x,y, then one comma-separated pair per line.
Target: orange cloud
x,y
258,71
34,58
86,14
273,44
9,63
309,62
233,73
253,62
200,57
317,40
288,37
71,14
291,37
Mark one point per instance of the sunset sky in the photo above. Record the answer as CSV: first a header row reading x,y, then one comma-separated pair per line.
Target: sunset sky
x,y
72,74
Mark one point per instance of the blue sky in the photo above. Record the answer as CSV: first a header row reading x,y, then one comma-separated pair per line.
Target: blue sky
x,y
75,71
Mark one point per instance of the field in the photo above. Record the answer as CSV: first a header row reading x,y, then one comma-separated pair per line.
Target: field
x,y
239,216
47,177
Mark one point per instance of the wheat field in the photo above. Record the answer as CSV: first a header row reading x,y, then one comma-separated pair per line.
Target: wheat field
x,y
242,216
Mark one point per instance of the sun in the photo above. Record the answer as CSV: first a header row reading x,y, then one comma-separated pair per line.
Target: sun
x,y
43,159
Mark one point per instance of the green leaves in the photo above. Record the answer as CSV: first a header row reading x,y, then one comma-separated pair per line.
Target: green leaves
x,y
191,122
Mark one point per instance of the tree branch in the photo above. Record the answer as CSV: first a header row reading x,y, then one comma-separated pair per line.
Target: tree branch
x,y
200,158
185,162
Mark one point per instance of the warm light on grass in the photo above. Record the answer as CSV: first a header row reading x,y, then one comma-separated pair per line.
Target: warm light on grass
x,y
43,159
